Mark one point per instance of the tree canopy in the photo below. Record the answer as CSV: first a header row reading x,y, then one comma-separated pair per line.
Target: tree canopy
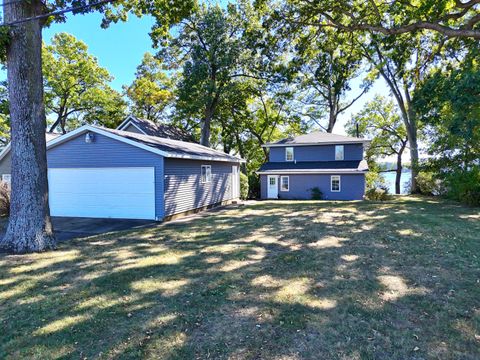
x,y
77,89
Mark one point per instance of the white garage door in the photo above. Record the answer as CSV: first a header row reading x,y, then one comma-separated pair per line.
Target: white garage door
x,y
123,193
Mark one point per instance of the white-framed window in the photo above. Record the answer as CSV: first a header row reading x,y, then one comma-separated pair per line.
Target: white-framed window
x,y
206,174
289,154
284,183
7,178
335,183
339,152
272,180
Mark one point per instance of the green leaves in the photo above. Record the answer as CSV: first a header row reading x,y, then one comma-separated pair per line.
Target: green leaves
x,y
77,88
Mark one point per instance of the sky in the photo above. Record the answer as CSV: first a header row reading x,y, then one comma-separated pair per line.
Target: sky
x,y
120,49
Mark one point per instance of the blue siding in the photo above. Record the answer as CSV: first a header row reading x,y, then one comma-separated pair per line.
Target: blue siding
x,y
184,190
317,153
107,152
352,187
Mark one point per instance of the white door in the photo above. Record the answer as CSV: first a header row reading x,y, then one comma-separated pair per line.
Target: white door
x,y
272,192
235,182
123,193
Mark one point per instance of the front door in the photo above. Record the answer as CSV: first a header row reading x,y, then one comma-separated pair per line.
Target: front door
x,y
272,192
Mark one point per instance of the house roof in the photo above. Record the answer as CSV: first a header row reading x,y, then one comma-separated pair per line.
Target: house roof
x,y
151,128
162,146
48,136
317,138
308,167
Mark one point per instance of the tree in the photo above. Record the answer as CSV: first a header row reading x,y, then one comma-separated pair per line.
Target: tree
x,y
29,228
208,46
448,102
151,91
76,86
450,18
380,121
326,63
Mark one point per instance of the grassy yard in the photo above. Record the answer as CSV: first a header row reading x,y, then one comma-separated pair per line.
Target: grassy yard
x,y
270,280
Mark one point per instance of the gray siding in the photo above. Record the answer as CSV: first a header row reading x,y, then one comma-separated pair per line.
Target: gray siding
x,y
6,164
133,129
317,153
107,152
184,190
352,187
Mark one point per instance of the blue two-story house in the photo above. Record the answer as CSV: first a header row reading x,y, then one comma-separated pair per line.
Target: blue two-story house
x,y
298,167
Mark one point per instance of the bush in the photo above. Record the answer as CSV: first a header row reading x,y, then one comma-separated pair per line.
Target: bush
x,y
464,186
243,186
4,199
316,193
378,194
428,184
253,186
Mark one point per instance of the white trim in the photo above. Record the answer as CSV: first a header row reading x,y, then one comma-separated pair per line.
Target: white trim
x,y
335,142
83,129
208,179
293,153
129,120
5,151
314,171
288,183
339,183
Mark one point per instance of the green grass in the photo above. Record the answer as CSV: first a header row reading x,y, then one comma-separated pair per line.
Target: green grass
x,y
270,280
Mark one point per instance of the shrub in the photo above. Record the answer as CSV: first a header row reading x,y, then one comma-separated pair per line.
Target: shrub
x,y
428,184
378,194
464,186
253,186
4,199
243,186
316,193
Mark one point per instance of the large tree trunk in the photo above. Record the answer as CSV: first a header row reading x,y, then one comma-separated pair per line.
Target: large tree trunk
x,y
398,177
332,119
412,130
207,120
29,228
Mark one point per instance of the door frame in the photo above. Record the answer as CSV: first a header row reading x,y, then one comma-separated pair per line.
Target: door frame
x,y
273,196
235,182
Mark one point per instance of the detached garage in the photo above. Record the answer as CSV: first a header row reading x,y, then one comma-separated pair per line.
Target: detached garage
x,y
104,173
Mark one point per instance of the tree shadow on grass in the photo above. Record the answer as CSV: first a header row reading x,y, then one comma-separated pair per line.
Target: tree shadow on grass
x,y
271,280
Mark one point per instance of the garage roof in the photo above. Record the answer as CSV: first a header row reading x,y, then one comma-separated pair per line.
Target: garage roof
x,y
162,146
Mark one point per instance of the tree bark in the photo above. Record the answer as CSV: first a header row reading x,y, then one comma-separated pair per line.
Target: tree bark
x,y
332,119
29,228
207,120
398,177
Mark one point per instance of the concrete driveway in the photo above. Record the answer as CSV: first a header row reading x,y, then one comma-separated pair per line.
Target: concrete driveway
x,y
67,228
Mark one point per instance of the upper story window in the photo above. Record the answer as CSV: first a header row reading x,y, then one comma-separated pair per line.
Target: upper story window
x,y
289,154
206,176
339,152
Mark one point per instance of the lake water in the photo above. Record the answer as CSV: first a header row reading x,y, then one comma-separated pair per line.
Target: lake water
x,y
390,180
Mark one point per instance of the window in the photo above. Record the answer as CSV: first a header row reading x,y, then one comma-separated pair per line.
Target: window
x,y
335,185
273,181
7,178
285,183
339,152
289,154
206,174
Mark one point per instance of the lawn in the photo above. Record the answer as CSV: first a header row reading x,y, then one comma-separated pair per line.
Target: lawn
x,y
269,280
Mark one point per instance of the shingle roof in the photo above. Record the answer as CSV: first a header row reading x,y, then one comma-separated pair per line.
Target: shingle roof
x,y
175,148
317,137
161,130
314,166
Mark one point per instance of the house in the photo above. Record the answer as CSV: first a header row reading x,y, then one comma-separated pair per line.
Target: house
x,y
330,163
6,159
105,173
147,127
